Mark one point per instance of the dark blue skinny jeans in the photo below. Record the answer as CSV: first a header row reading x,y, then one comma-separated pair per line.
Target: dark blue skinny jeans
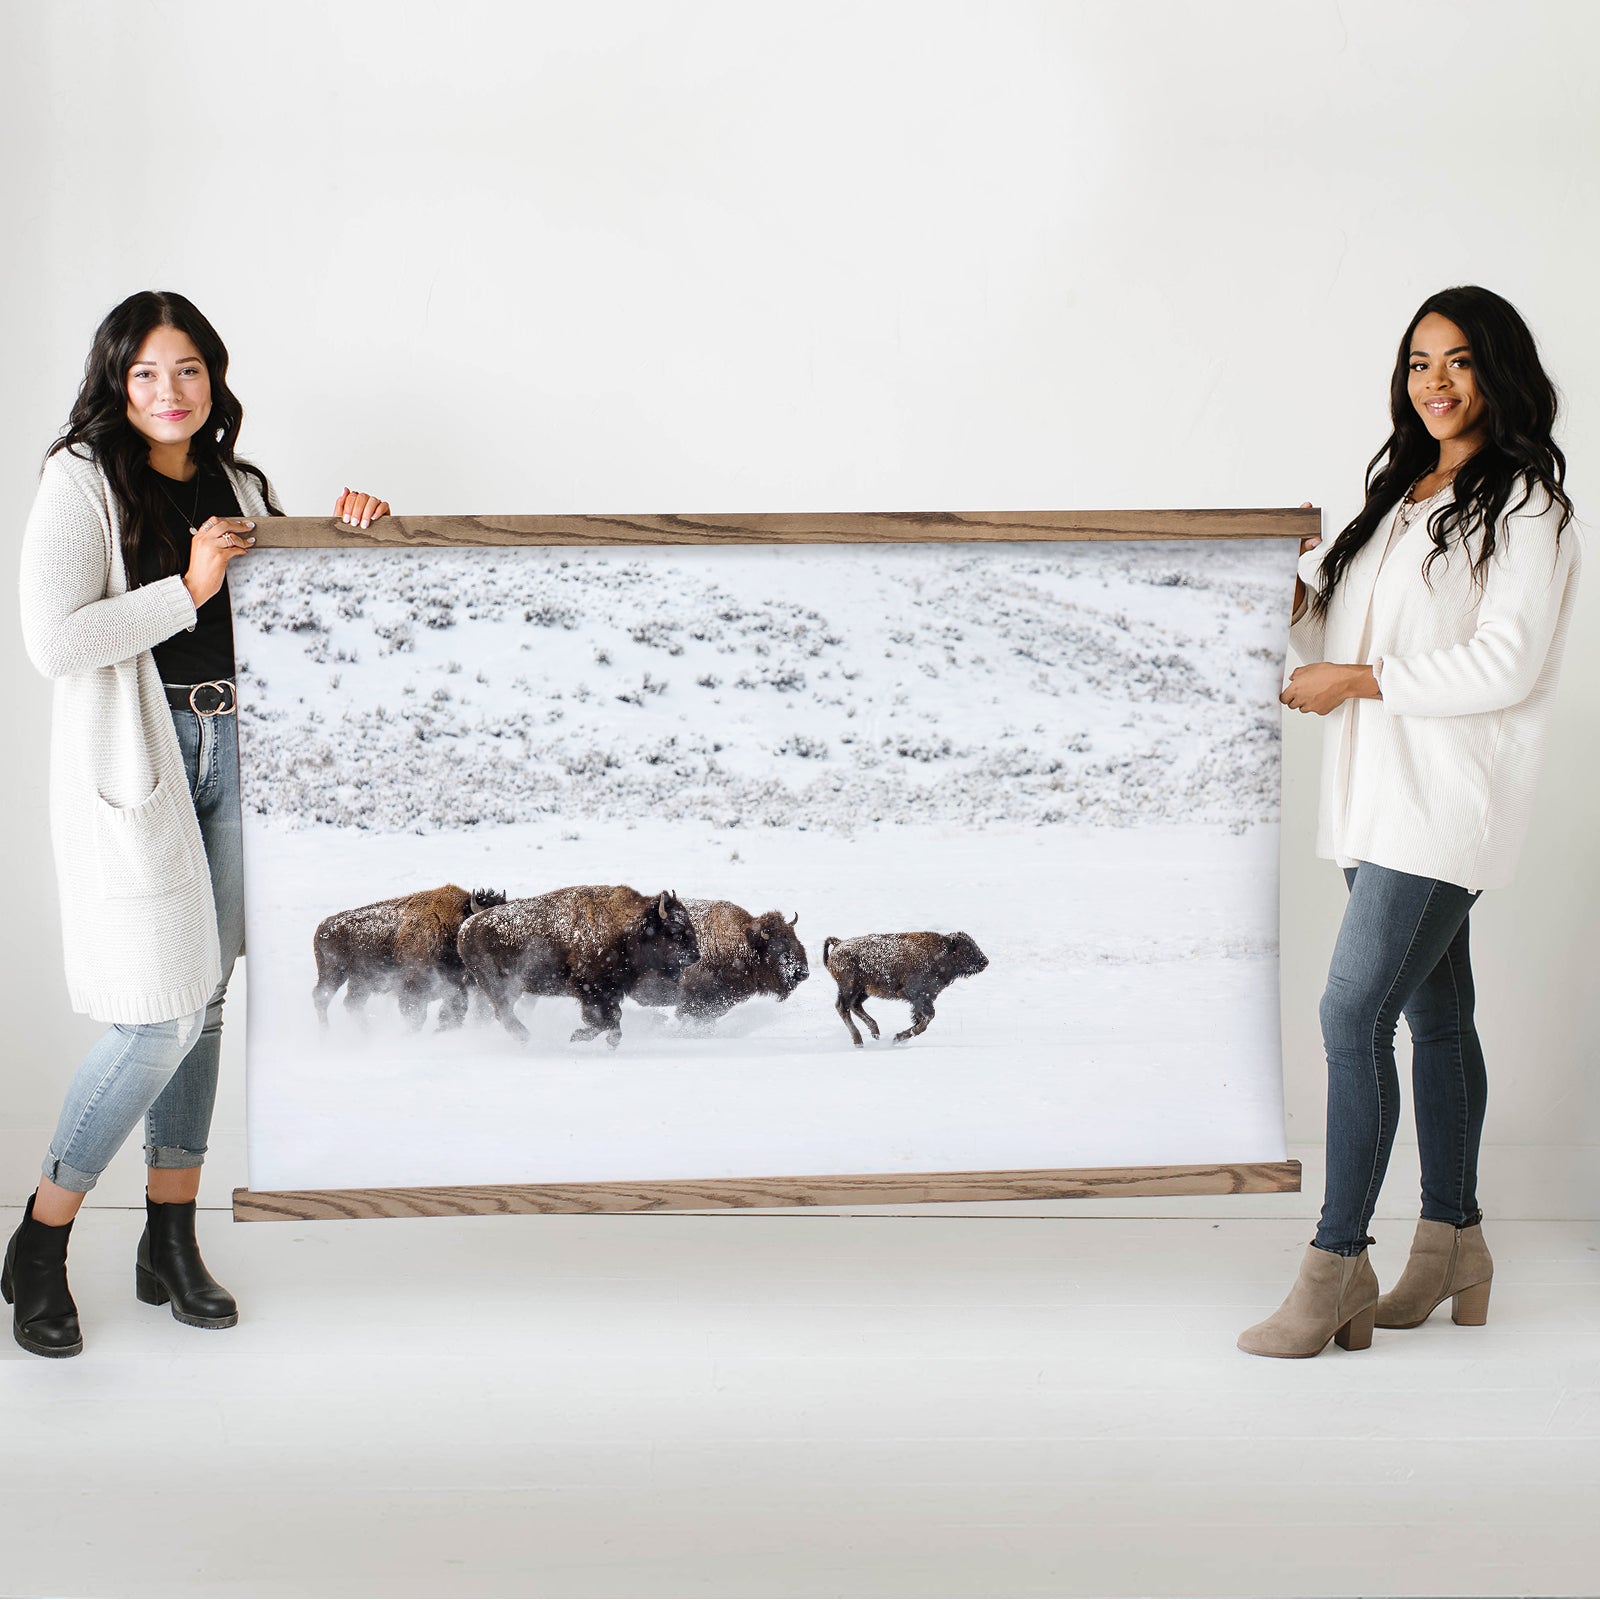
x,y
1402,949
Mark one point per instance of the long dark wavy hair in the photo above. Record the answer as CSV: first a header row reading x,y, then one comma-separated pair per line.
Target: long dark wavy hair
x,y
1519,404
99,428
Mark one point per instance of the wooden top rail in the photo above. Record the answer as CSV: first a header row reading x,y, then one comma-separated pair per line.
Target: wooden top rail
x,y
785,527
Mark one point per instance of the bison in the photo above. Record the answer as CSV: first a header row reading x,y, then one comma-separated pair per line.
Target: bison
x,y
915,967
740,956
408,943
593,942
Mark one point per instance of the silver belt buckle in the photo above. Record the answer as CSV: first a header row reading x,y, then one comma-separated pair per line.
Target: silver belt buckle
x,y
223,693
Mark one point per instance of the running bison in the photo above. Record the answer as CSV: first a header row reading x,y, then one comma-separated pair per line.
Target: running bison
x,y
409,944
593,942
740,957
916,967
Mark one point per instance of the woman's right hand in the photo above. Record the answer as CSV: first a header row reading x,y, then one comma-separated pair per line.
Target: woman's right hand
x,y
1310,542
216,542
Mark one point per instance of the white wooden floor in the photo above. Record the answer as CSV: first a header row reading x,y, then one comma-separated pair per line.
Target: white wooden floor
x,y
813,1405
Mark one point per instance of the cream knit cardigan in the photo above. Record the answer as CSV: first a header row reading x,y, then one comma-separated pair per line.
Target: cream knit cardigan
x,y
1450,756
137,918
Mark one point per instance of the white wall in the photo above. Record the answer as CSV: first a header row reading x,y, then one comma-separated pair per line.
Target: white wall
x,y
699,256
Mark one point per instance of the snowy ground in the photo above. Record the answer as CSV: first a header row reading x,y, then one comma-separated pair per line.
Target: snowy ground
x,y
1129,1014
1069,752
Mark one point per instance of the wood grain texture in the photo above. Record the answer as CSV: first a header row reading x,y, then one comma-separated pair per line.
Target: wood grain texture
x,y
845,527
858,1189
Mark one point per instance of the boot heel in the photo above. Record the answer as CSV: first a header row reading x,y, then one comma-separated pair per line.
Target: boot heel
x,y
147,1286
1356,1334
1470,1308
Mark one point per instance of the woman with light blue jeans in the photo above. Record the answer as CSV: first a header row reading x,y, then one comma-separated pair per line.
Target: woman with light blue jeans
x,y
166,1072
141,507
1432,631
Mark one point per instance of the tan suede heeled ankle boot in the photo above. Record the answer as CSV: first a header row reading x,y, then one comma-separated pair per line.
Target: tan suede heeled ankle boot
x,y
1446,1263
1332,1298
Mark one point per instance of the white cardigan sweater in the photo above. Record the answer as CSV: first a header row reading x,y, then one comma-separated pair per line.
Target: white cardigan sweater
x,y
137,918
1449,757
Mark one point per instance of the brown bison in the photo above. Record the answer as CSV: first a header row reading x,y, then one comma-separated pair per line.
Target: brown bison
x,y
408,943
740,957
593,942
915,967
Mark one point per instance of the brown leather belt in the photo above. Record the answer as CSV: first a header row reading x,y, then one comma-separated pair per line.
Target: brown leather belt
x,y
204,699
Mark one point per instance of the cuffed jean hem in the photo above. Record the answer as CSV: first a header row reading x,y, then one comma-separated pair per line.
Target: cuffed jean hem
x,y
172,1156
65,1177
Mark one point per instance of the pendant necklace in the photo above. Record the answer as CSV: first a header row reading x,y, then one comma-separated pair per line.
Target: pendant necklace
x,y
194,510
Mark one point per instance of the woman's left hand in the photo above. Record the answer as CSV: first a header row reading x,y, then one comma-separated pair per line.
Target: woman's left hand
x,y
1324,686
360,509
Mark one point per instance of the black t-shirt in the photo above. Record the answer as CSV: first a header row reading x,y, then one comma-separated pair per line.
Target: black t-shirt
x,y
206,653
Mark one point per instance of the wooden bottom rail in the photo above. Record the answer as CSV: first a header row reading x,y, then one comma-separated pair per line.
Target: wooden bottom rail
x,y
690,1194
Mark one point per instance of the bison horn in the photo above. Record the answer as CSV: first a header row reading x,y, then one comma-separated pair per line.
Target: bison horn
x,y
661,904
794,919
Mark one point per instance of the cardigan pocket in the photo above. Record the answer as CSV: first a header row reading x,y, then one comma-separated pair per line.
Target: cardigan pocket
x,y
144,849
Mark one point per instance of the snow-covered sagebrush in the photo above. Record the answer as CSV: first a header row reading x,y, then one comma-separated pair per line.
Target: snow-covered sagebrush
x,y
830,688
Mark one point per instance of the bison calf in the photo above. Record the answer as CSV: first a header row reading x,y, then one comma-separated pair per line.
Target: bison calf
x,y
408,943
740,957
592,942
915,967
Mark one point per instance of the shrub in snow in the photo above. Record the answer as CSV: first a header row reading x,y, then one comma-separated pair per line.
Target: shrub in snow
x,y
1148,699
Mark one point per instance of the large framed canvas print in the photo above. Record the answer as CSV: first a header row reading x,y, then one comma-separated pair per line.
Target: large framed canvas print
x,y
621,863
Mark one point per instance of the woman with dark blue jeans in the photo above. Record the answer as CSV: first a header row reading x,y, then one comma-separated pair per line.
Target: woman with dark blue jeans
x,y
141,507
1402,950
1432,630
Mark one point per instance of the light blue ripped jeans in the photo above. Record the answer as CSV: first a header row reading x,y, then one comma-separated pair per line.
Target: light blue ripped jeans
x,y
165,1072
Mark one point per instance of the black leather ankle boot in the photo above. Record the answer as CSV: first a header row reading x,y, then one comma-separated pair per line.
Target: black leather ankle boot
x,y
169,1268
35,1282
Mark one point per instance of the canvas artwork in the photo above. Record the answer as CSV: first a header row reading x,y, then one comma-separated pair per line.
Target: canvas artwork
x,y
570,865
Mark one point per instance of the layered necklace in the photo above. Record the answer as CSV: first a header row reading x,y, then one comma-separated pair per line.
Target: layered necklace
x,y
1409,507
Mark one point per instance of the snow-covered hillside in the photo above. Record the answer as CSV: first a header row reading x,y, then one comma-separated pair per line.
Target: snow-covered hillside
x,y
826,688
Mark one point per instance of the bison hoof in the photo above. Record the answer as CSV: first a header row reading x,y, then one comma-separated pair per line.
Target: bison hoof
x,y
900,1038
